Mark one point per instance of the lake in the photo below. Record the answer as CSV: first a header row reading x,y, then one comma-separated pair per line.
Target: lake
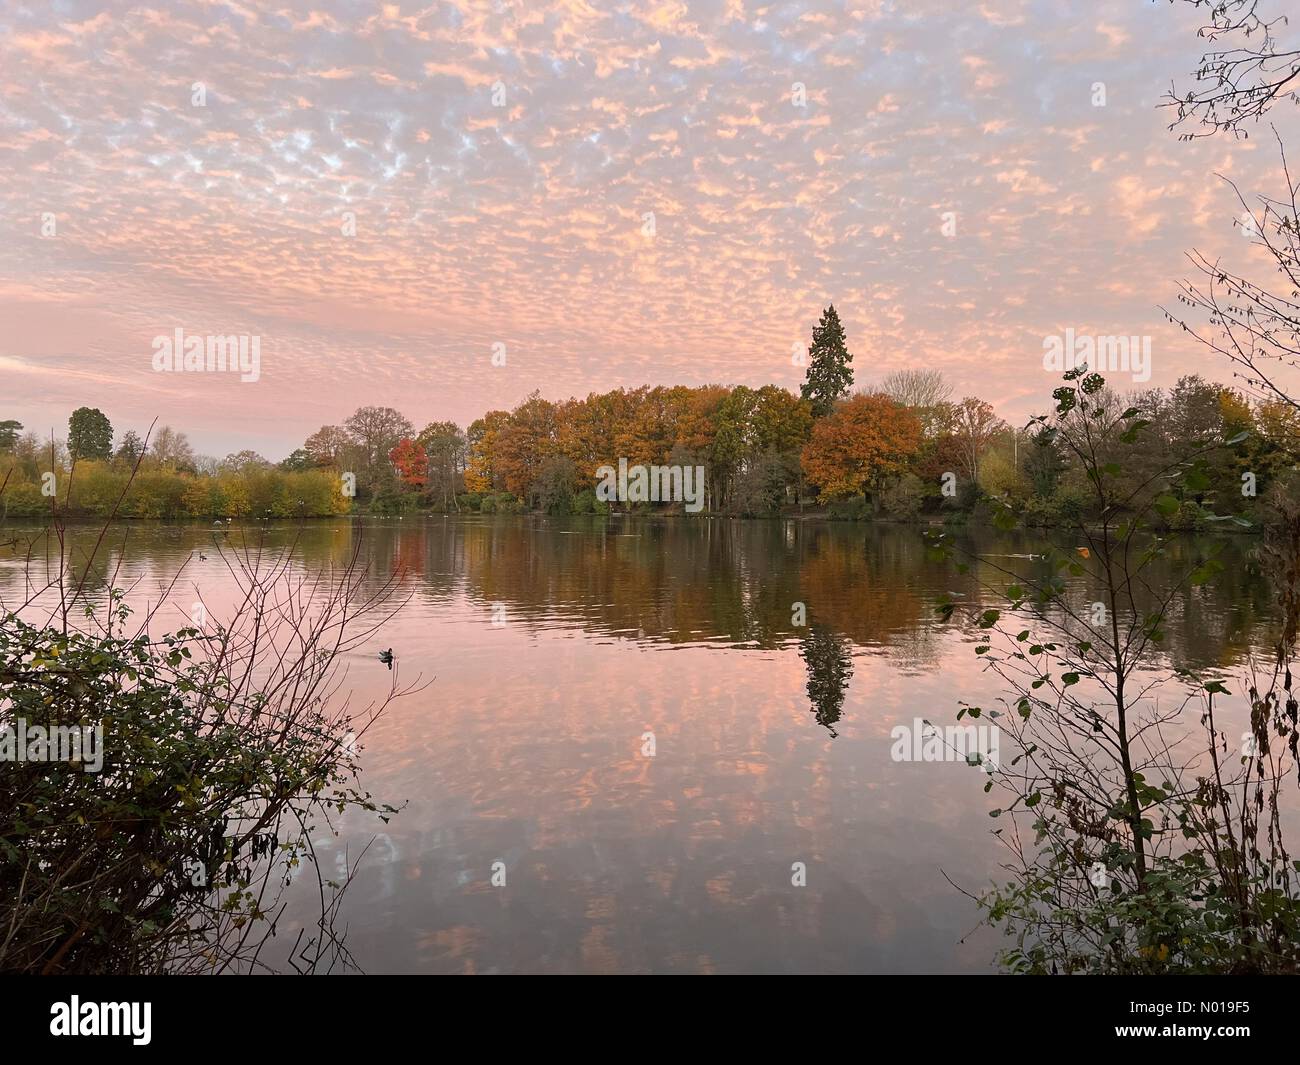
x,y
553,647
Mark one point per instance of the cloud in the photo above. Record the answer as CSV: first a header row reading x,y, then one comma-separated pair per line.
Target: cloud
x,y
384,198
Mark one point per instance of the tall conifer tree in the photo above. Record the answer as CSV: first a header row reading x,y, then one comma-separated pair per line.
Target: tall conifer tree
x,y
829,372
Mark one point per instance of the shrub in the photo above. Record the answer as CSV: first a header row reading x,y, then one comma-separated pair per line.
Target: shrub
x,y
903,498
855,509
219,755
500,503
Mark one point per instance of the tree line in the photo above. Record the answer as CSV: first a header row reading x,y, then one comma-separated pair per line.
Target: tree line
x,y
901,449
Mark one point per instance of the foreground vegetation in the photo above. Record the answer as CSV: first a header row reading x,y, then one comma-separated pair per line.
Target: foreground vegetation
x,y
1146,820
224,744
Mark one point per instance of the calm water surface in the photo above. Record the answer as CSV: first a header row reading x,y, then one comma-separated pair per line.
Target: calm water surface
x,y
554,645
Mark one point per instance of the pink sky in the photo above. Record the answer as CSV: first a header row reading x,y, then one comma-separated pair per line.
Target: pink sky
x,y
523,224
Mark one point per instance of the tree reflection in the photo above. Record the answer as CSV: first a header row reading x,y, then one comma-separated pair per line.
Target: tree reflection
x,y
830,668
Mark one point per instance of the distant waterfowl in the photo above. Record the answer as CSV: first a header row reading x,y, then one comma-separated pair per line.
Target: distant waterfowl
x,y
386,657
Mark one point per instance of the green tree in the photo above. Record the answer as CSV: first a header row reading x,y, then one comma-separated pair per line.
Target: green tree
x,y
90,434
830,668
556,485
376,431
444,444
299,461
829,374
9,434
129,449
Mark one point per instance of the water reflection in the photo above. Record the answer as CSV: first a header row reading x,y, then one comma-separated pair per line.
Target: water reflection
x,y
830,668
772,738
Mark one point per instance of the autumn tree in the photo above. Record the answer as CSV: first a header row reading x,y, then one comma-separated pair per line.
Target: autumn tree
x,y
524,443
327,445
697,426
171,450
829,373
376,431
90,434
974,428
649,434
780,423
411,462
444,444
481,468
856,449
730,443
582,434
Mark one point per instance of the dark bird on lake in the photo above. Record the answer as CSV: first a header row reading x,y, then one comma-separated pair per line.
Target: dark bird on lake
x,y
386,657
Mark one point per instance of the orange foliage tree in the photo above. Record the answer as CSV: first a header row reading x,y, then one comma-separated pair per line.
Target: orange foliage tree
x,y
412,463
524,443
854,450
